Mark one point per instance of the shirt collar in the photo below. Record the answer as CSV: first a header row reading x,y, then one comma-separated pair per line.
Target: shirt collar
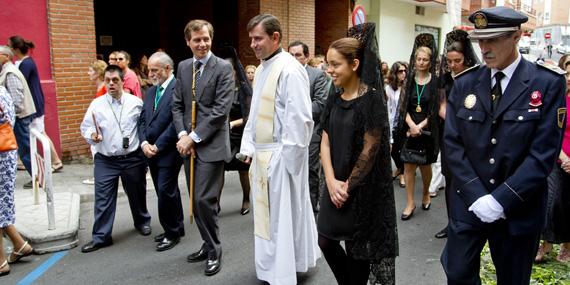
x,y
112,100
167,81
509,70
205,59
273,54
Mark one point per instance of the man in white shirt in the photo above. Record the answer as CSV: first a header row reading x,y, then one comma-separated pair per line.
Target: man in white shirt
x,y
110,125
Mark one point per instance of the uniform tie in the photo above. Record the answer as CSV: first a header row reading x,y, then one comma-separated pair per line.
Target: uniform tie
x,y
158,96
497,91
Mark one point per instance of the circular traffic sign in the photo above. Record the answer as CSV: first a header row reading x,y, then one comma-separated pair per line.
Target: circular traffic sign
x,y
358,15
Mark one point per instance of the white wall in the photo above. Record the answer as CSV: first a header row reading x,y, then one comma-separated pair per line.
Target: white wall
x,y
396,26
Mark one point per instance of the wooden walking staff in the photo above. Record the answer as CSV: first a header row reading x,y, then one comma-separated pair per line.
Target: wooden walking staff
x,y
192,159
192,164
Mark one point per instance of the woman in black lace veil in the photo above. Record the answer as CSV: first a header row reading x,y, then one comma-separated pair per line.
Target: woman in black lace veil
x,y
419,121
457,57
359,208
238,118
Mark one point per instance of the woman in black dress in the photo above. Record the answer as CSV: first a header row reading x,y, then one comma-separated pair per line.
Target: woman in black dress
x,y
419,124
238,117
355,153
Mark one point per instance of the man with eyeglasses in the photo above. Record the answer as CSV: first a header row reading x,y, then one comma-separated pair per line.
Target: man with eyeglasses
x,y
110,126
501,141
113,58
131,83
158,141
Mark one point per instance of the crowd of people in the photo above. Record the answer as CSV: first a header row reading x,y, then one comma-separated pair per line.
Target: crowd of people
x,y
314,149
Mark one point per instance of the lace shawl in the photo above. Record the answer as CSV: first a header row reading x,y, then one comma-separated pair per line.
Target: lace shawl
x,y
370,182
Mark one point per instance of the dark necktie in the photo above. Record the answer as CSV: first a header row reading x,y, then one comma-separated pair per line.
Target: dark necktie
x,y
158,95
497,90
197,72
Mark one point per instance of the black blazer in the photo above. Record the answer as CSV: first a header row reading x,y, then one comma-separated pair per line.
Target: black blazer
x,y
157,127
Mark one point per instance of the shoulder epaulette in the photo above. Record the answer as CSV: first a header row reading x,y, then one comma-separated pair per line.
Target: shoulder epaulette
x,y
552,67
474,67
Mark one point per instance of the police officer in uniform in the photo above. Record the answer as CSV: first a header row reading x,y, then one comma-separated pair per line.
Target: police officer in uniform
x,y
501,139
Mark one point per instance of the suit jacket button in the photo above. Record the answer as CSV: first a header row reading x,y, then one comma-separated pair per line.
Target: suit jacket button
x,y
494,141
492,161
492,181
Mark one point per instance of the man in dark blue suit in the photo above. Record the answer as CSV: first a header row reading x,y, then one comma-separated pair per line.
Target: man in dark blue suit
x,y
158,141
501,140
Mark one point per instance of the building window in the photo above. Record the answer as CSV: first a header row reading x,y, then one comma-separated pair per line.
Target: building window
x,y
421,29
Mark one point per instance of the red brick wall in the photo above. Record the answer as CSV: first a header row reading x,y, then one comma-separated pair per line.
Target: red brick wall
x,y
329,21
297,19
72,38
247,10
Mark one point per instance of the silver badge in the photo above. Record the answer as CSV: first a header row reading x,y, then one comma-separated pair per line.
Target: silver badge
x,y
470,101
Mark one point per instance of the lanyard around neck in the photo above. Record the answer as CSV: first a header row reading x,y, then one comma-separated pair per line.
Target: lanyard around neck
x,y
118,120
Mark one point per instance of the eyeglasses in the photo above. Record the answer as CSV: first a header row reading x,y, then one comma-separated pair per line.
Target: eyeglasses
x,y
402,71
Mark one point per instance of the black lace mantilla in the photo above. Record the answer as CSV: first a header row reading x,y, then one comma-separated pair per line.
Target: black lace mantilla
x,y
370,182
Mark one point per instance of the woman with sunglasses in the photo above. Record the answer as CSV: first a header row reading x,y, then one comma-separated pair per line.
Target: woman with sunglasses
x,y
396,81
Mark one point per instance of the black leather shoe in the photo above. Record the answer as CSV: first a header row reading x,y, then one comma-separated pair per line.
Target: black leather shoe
x,y
167,244
426,207
197,256
92,246
442,233
406,217
213,266
159,237
145,230
244,211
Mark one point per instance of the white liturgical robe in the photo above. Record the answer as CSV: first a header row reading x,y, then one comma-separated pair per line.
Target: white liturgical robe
x,y
292,245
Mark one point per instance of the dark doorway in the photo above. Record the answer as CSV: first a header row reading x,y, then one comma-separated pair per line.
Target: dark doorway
x,y
143,26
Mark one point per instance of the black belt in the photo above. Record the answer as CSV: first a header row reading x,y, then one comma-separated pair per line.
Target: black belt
x,y
119,157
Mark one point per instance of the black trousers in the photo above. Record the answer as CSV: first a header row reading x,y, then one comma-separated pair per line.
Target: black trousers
x,y
346,269
108,169
209,180
314,174
170,213
512,255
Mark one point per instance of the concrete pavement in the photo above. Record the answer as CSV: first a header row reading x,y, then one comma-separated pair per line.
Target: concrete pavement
x,y
133,260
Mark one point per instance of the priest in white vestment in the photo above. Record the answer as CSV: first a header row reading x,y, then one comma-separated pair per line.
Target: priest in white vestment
x,y
275,141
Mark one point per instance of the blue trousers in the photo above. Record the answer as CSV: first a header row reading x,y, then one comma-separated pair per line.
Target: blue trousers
x,y
22,133
108,170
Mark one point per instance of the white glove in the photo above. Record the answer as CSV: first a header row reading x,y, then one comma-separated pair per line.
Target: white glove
x,y
487,209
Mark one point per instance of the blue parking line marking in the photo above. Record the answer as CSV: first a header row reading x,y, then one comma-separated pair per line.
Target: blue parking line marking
x,y
40,270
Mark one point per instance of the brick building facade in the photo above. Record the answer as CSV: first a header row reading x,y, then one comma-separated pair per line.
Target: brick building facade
x,y
74,27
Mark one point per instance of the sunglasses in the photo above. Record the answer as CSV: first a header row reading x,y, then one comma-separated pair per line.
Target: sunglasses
x,y
402,71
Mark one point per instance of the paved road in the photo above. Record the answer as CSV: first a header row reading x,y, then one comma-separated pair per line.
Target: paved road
x,y
133,260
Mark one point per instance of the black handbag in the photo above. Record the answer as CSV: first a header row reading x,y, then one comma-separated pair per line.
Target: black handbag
x,y
414,156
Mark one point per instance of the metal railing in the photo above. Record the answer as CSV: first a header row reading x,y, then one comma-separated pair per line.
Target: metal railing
x,y
41,173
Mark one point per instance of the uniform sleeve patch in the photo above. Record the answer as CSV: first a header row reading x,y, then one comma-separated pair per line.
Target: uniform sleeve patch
x,y
561,116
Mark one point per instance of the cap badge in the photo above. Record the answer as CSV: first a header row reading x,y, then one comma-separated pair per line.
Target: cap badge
x,y
480,21
535,99
470,101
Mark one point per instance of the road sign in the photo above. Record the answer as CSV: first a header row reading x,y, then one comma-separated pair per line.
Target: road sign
x,y
358,15
547,36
